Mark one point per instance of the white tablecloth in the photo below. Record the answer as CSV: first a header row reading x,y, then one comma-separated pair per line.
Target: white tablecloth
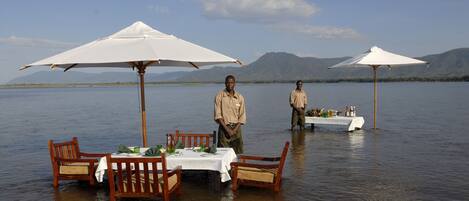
x,y
352,123
188,160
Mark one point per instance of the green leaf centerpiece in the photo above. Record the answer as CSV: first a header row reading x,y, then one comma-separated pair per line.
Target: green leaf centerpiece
x,y
155,151
123,149
179,145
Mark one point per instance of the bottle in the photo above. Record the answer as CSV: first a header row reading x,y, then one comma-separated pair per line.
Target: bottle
x,y
353,112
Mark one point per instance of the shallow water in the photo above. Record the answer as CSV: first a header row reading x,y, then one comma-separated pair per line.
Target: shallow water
x,y
420,152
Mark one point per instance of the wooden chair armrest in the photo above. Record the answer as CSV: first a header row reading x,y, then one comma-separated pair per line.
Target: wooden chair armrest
x,y
259,158
88,160
92,154
261,166
176,170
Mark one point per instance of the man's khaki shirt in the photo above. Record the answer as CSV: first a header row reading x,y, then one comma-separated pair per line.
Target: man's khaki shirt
x,y
230,108
298,98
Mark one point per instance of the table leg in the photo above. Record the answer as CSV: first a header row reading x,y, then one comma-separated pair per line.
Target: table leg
x,y
214,180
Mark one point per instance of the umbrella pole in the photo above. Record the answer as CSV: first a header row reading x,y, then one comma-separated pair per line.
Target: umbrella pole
x,y
141,73
375,67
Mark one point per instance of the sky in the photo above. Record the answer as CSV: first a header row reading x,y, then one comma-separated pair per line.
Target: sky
x,y
242,29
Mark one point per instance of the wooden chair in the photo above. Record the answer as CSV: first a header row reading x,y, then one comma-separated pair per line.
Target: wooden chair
x,y
147,178
68,163
191,139
268,174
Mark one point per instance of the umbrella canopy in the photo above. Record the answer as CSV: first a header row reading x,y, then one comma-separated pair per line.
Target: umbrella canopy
x,y
136,43
374,58
137,47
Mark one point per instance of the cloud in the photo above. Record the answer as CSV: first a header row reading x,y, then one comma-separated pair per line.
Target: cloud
x,y
322,32
35,42
257,10
158,9
280,15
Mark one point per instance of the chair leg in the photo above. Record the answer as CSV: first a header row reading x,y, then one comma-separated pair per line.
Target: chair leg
x,y
234,184
92,179
92,182
55,182
234,177
277,188
178,190
234,187
166,196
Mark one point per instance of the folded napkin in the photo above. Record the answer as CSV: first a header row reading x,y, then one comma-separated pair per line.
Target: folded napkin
x,y
212,149
123,149
179,145
154,151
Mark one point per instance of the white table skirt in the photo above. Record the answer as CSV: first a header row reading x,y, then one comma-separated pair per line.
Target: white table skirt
x,y
188,160
352,123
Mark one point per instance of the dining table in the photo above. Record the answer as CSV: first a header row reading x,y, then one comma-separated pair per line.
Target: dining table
x,y
217,164
352,123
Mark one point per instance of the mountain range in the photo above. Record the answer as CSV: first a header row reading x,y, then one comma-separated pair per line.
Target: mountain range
x,y
278,67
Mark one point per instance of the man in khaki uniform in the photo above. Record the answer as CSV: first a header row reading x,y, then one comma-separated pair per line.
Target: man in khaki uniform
x,y
298,102
230,114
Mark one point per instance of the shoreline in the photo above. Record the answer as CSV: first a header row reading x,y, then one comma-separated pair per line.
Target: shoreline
x,y
126,84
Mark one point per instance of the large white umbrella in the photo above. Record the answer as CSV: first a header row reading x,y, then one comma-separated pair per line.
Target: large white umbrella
x,y
136,47
374,58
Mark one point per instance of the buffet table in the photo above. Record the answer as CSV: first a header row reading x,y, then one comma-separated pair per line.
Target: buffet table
x,y
352,123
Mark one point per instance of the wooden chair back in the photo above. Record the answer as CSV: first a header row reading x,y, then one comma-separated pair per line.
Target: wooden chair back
x,y
65,150
69,163
191,139
139,177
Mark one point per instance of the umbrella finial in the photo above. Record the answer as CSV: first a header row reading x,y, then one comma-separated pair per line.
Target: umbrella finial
x,y
375,49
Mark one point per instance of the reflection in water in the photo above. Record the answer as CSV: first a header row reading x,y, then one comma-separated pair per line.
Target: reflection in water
x,y
356,143
80,191
297,151
257,194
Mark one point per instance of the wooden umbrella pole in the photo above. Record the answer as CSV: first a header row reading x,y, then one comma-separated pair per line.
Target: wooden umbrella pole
x,y
374,95
141,73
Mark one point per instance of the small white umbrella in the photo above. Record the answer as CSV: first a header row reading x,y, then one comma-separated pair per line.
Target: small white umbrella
x,y
374,58
136,47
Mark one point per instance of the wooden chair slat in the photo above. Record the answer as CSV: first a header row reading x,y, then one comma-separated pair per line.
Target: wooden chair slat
x,y
119,177
144,180
156,187
191,139
128,176
137,177
146,176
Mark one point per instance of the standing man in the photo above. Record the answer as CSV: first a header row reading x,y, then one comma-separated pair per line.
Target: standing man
x,y
298,102
230,114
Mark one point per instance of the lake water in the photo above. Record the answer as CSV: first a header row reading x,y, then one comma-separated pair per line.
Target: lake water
x,y
420,152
